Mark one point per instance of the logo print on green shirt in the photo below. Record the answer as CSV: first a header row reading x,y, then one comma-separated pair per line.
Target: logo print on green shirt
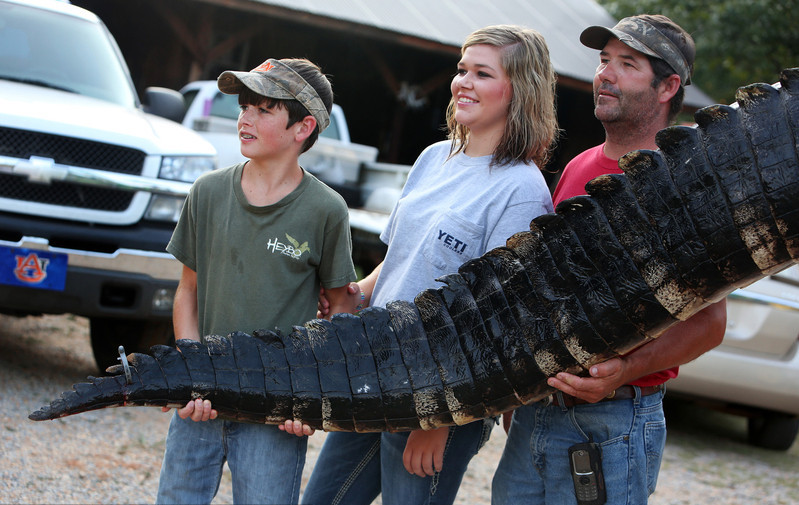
x,y
293,250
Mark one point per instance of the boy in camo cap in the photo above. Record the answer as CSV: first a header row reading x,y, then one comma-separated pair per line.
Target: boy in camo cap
x,y
257,240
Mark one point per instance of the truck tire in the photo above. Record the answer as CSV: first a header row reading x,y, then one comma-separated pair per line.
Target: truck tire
x,y
107,334
773,430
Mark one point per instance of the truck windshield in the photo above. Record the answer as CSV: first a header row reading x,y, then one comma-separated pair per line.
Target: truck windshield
x,y
62,52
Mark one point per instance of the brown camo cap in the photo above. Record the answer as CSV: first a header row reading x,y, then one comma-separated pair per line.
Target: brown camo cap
x,y
275,79
643,37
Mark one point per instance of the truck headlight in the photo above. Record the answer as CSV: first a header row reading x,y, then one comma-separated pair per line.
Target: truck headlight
x,y
177,168
185,168
165,208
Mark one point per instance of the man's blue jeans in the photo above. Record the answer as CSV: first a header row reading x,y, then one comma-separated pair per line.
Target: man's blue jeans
x,y
354,468
265,463
534,468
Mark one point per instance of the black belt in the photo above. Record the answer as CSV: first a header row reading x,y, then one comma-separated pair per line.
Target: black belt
x,y
622,393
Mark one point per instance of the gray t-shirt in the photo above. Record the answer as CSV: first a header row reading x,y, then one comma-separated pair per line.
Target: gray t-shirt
x,y
261,267
451,211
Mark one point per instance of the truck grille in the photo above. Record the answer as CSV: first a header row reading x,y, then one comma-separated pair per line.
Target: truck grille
x,y
68,151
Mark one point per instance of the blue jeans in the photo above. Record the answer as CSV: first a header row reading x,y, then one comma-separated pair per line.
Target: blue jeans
x,y
265,463
354,468
534,468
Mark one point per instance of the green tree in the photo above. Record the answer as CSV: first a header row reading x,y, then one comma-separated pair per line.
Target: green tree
x,y
738,42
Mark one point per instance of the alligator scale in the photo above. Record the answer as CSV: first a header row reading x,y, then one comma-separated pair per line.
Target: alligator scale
x,y
714,209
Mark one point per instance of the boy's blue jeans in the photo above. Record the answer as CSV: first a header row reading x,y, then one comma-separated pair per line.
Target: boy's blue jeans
x,y
534,468
354,468
265,463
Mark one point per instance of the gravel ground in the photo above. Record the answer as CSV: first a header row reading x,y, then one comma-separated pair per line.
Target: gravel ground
x,y
114,456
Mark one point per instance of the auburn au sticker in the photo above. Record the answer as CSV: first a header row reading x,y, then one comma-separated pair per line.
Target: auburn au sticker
x,y
31,268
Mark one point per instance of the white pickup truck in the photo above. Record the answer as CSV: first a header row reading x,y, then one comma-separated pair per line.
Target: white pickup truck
x,y
370,188
91,183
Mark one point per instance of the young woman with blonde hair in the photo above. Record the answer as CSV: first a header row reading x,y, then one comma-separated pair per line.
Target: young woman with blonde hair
x,y
464,196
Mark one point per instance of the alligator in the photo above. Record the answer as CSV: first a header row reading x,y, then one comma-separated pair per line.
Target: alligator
x,y
715,208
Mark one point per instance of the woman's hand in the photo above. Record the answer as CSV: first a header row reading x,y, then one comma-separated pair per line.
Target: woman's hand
x,y
424,451
296,428
323,303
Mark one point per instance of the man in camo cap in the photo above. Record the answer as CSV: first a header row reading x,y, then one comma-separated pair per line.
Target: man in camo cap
x,y
645,62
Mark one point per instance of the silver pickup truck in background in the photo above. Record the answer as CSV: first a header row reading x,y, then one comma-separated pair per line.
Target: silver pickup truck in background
x,y
755,371
91,183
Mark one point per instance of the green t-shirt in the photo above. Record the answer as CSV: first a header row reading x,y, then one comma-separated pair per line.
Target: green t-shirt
x,y
261,267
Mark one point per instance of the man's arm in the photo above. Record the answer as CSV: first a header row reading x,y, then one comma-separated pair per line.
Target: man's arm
x,y
680,344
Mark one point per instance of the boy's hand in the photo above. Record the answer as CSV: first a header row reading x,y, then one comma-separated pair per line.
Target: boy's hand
x,y
296,428
198,410
424,451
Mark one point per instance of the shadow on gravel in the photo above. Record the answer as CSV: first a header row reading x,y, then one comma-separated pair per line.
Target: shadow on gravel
x,y
51,349
700,427
694,420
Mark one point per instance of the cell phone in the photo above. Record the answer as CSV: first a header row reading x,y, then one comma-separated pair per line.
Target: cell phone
x,y
586,464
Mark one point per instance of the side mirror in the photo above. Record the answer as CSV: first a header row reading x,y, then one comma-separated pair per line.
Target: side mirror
x,y
165,102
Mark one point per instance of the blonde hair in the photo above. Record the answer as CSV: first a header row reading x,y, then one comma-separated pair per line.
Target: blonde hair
x,y
531,126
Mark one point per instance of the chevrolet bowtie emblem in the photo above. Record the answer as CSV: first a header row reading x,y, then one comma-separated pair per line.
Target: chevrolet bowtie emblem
x,y
40,170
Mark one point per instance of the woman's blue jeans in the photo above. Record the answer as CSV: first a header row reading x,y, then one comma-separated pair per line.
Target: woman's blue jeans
x,y
534,468
354,468
265,463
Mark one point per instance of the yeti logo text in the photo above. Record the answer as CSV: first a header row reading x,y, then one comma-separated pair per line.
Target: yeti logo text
x,y
31,269
293,250
451,242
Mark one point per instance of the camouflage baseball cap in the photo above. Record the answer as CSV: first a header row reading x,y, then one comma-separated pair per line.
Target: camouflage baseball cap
x,y
275,79
641,36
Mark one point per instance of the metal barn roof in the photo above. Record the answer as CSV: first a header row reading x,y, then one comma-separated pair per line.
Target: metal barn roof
x,y
448,22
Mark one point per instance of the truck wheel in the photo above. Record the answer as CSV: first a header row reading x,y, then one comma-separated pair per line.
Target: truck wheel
x,y
773,431
108,334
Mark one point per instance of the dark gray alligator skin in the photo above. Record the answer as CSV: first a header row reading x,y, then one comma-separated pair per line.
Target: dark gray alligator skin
x,y
714,209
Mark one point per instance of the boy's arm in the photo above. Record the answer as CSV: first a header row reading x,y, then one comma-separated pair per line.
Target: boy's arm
x,y
186,325
185,313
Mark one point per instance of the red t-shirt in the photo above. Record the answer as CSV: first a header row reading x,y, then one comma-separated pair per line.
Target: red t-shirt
x,y
584,167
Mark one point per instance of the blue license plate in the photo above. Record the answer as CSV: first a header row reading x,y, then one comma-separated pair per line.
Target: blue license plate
x,y
33,269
